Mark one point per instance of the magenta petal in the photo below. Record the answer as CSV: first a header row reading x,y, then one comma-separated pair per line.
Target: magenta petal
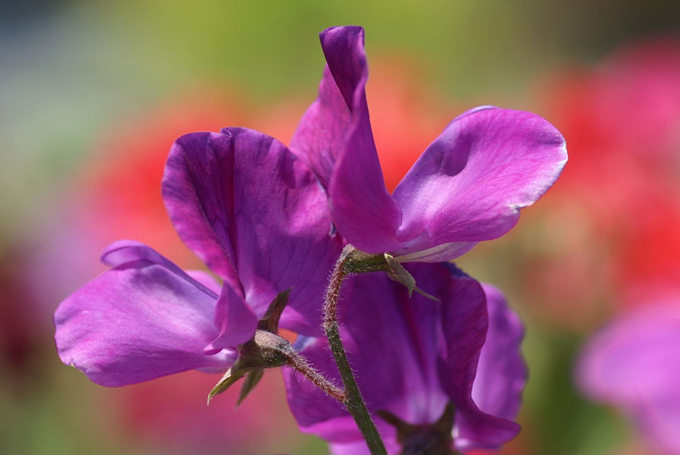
x,y
321,134
659,419
470,183
634,363
465,329
335,138
392,343
137,322
324,129
235,320
632,356
125,251
198,193
501,373
418,356
257,216
206,280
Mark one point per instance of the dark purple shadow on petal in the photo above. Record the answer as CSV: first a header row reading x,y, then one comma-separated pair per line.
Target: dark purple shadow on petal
x,y
321,134
258,216
198,191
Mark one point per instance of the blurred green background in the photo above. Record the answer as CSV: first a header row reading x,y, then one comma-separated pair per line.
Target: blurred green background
x,y
92,95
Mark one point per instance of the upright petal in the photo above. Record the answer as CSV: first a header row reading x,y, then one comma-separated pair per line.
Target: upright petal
x,y
321,135
257,215
198,191
136,322
470,183
335,138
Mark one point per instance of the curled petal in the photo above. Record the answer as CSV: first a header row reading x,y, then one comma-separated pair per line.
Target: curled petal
x,y
465,329
321,134
501,373
439,253
470,183
126,251
234,319
137,322
257,216
335,139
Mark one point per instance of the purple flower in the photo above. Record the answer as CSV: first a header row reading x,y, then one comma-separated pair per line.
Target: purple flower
x,y
256,215
634,363
413,356
467,186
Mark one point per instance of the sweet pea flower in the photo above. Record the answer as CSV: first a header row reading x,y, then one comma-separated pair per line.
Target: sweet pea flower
x,y
414,356
256,215
467,186
634,364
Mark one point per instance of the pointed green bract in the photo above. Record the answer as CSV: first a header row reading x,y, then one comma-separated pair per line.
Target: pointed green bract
x,y
252,379
232,375
398,273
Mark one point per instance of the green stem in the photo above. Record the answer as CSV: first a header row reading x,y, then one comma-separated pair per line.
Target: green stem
x,y
353,400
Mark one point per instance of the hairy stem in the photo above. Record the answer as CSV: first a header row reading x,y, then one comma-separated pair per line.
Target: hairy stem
x,y
300,364
353,400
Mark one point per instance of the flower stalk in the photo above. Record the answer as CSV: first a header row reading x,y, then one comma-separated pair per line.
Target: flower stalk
x,y
353,400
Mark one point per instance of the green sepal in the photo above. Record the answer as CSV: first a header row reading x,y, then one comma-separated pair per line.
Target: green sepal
x,y
398,273
232,375
265,350
252,378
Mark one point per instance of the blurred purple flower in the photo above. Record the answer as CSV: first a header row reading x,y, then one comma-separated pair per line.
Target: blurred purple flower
x,y
413,356
467,186
634,363
256,215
